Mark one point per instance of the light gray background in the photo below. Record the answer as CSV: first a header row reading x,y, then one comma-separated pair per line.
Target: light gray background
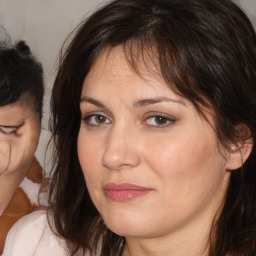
x,y
44,25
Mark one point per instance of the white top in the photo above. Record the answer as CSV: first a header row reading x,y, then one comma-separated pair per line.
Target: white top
x,y
31,236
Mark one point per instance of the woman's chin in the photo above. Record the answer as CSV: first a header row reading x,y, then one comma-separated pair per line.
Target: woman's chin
x,y
128,227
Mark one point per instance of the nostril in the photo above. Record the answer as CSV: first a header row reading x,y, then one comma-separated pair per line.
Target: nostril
x,y
120,159
111,159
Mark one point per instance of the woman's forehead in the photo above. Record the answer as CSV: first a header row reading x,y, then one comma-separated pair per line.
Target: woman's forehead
x,y
115,59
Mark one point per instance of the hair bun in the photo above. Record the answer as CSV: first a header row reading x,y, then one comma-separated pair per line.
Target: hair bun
x,y
23,48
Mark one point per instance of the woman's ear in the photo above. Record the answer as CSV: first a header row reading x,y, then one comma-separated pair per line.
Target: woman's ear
x,y
241,149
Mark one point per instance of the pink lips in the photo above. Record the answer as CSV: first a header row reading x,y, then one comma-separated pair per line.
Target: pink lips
x,y
124,191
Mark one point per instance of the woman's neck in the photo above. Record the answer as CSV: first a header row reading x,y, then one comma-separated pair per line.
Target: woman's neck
x,y
191,240
158,247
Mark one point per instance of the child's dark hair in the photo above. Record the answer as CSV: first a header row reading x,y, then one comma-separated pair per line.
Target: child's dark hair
x,y
20,73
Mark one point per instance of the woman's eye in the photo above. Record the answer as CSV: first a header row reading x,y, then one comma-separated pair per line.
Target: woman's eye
x,y
8,129
96,119
159,121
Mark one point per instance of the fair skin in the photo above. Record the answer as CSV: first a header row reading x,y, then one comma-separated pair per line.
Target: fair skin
x,y
153,166
19,135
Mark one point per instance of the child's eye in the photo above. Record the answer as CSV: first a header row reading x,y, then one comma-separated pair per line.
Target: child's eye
x,y
96,119
159,121
8,129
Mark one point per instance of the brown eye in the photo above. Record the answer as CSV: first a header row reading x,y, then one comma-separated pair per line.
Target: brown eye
x,y
100,119
96,119
159,121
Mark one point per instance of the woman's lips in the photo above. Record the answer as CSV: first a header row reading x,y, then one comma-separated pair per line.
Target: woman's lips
x,y
124,191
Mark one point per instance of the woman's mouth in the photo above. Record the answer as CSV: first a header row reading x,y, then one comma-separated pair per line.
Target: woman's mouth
x,y
124,191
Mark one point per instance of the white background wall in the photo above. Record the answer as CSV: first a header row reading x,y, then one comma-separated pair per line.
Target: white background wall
x,y
44,24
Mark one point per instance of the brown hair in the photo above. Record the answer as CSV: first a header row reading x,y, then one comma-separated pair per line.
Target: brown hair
x,y
206,52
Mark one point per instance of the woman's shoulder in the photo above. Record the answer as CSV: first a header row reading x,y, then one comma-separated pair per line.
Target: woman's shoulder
x,y
32,236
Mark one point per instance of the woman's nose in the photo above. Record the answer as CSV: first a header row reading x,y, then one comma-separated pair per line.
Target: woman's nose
x,y
121,149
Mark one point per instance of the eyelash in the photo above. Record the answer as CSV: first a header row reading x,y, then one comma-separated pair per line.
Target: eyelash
x,y
91,120
8,129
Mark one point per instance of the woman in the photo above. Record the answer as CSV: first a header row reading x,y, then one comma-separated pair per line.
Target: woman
x,y
154,117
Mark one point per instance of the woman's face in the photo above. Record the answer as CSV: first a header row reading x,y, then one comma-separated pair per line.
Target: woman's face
x,y
152,164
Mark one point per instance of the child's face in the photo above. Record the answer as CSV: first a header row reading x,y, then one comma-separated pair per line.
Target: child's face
x,y
19,135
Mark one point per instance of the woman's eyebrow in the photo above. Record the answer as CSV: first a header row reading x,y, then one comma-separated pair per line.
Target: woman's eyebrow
x,y
136,104
150,101
92,101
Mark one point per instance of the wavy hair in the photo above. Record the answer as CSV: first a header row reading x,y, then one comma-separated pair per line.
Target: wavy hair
x,y
205,50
